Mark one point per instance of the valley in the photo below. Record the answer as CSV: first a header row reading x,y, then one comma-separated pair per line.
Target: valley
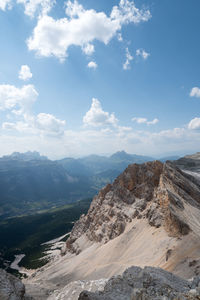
x,y
28,234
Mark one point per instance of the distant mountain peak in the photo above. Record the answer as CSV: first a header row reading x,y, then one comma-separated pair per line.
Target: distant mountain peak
x,y
26,156
121,155
193,156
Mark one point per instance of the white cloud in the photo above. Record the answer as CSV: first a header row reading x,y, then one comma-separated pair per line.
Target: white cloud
x,y
20,126
142,53
92,65
42,124
73,9
4,4
195,92
49,124
25,73
19,100
129,58
31,7
145,121
96,116
127,13
40,7
194,124
8,125
54,37
153,122
139,120
82,27
88,49
119,37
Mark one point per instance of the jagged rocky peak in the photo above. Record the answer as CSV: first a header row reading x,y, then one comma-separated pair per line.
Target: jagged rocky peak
x,y
160,193
26,156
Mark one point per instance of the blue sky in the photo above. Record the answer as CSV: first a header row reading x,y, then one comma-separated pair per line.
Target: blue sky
x,y
82,77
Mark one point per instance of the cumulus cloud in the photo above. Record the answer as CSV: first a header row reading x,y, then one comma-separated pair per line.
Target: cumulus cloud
x,y
195,92
54,37
82,27
194,124
18,100
96,116
20,126
41,124
129,58
127,13
49,124
92,65
25,73
142,53
145,121
33,7
5,4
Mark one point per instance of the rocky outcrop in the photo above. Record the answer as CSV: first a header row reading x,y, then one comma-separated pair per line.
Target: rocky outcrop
x,y
189,162
146,284
11,288
155,191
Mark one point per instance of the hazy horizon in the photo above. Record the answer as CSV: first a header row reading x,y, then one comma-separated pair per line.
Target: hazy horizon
x,y
103,155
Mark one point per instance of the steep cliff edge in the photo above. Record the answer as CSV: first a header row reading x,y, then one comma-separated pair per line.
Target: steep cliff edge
x,y
149,216
159,193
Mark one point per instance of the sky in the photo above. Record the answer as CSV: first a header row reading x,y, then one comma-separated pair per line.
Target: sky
x,y
96,77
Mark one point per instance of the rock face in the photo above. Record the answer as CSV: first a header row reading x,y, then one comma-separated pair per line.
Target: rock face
x,y
11,288
155,191
146,284
189,162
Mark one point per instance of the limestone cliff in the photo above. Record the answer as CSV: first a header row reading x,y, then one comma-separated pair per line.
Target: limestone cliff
x,y
154,191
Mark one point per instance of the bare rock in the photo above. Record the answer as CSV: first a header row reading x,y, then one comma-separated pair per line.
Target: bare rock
x,y
155,191
146,284
11,288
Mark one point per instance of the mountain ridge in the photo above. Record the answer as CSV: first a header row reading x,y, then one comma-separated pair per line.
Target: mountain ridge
x,y
149,216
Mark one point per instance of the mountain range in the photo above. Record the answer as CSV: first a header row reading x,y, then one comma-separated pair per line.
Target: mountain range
x,y
30,182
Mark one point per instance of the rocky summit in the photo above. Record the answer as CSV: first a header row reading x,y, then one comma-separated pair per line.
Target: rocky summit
x,y
149,216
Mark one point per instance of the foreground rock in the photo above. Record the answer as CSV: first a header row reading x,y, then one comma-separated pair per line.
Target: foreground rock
x,y
146,284
11,288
